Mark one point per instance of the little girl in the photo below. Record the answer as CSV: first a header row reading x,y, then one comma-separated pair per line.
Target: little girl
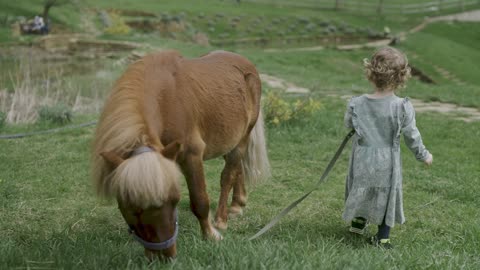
x,y
374,182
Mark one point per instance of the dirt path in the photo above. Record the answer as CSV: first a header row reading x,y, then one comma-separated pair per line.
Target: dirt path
x,y
469,16
457,112
452,110
279,83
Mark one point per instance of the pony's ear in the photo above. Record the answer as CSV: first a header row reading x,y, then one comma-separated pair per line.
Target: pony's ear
x,y
171,151
113,159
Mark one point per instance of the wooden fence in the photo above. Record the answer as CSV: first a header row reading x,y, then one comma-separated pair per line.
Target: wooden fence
x,y
381,6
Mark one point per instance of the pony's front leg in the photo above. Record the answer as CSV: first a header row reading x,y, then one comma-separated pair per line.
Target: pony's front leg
x,y
199,202
231,172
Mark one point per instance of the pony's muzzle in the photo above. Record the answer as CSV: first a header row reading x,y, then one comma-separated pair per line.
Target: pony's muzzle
x,y
167,255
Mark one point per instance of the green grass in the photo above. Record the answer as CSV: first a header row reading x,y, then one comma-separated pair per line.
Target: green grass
x,y
252,9
50,217
325,71
328,72
451,46
67,18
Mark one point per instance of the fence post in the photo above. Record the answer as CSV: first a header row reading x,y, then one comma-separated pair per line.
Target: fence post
x,y
380,7
337,5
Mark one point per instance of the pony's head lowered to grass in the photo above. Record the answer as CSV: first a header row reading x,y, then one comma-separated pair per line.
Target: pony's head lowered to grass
x,y
146,187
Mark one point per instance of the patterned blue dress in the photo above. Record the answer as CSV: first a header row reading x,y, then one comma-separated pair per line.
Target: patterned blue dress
x,y
374,181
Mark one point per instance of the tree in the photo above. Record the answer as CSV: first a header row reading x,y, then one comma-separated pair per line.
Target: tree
x,y
47,4
46,8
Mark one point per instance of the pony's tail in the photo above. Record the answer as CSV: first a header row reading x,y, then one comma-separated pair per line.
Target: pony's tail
x,y
144,180
256,167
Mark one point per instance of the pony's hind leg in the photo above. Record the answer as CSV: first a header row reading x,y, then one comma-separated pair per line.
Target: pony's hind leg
x,y
230,174
239,199
192,168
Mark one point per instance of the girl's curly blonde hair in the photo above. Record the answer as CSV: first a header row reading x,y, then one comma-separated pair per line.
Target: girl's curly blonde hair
x,y
388,69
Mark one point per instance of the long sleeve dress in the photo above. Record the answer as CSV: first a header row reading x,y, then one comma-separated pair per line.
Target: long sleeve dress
x,y
374,181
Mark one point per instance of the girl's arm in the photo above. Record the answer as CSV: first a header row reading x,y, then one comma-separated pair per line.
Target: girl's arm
x,y
412,136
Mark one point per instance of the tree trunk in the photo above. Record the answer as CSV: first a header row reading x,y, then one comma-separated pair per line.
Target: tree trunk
x,y
46,8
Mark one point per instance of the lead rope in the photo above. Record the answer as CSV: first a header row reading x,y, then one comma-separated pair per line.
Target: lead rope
x,y
296,202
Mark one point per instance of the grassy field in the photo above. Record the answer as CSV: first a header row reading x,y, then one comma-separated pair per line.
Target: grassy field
x,y
50,218
453,46
68,17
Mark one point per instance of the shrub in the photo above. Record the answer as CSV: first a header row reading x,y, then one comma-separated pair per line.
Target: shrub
x,y
165,18
343,26
303,20
374,34
276,21
176,18
278,110
224,35
350,31
57,114
324,23
310,26
118,25
331,29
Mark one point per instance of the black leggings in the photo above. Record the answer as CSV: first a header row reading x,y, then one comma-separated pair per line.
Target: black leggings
x,y
383,231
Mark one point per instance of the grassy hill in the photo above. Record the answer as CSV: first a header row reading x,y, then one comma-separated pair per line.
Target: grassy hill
x,y
67,17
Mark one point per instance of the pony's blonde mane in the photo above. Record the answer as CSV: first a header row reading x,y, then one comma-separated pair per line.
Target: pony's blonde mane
x,y
143,180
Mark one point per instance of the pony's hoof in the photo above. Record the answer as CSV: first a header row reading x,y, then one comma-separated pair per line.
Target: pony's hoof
x,y
215,235
221,225
235,211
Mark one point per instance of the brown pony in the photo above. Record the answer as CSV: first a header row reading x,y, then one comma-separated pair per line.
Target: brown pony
x,y
166,115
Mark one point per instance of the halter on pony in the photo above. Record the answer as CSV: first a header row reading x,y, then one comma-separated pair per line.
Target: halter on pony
x,y
153,245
